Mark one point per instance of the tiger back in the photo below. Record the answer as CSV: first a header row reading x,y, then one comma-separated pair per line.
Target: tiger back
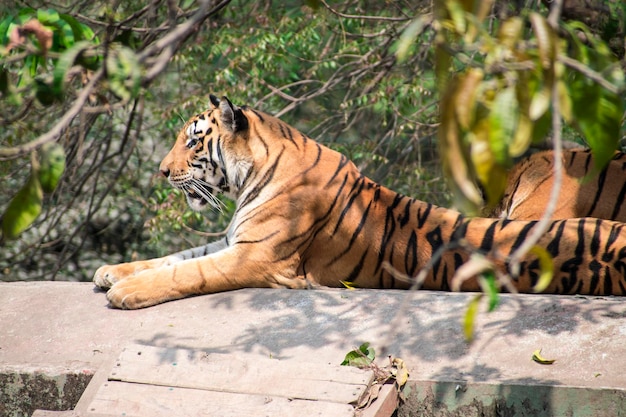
x,y
530,183
306,217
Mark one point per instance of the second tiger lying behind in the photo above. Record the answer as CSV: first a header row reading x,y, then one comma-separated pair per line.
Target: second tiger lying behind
x,y
306,216
530,183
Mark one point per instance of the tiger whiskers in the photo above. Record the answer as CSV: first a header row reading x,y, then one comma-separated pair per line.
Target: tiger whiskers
x,y
204,190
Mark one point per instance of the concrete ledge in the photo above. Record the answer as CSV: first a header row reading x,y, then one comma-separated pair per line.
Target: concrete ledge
x,y
24,388
64,329
492,399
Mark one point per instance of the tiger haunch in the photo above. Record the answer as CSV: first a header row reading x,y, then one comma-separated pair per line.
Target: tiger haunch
x,y
306,217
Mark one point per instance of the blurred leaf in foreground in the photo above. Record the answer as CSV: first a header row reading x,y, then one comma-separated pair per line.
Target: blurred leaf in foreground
x,y
51,166
23,208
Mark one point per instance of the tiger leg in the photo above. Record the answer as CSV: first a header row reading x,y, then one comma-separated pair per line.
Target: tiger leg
x,y
229,269
108,275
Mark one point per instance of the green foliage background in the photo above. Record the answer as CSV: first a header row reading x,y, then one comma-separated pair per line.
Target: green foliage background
x,y
330,70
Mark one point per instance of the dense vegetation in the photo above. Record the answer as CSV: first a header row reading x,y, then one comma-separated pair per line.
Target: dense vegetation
x,y
106,85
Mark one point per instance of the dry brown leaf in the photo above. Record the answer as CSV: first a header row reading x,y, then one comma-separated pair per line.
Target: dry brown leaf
x,y
43,34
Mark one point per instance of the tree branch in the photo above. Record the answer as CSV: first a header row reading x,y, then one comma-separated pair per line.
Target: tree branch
x,y
165,47
588,72
168,45
363,17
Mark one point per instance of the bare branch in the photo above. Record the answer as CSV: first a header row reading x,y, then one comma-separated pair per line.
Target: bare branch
x,y
167,45
555,13
363,17
589,73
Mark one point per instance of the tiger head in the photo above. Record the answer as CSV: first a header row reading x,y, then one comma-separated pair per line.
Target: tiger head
x,y
211,155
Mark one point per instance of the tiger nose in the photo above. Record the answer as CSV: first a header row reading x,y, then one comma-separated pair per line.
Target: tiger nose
x,y
165,172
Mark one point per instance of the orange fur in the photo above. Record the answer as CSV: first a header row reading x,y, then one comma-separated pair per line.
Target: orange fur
x,y
530,183
306,217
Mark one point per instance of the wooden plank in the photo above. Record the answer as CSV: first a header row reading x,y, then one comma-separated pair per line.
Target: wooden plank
x,y
139,400
241,373
385,405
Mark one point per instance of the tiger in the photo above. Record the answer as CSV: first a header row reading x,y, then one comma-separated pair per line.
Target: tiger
x,y
306,217
530,182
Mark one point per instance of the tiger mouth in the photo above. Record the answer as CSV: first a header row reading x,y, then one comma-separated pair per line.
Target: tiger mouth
x,y
197,198
198,193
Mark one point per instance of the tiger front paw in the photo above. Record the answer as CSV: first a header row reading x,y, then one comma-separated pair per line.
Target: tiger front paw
x,y
127,295
106,276
137,292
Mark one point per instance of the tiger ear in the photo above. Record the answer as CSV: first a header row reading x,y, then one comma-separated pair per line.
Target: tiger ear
x,y
214,102
231,116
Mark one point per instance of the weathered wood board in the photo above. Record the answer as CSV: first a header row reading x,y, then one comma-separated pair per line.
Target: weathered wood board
x,y
154,381
124,399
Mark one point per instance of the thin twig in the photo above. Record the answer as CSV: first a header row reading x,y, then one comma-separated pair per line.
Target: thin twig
x,y
166,47
363,17
589,73
555,14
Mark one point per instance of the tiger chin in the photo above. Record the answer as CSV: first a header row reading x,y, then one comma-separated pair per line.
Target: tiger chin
x,y
306,217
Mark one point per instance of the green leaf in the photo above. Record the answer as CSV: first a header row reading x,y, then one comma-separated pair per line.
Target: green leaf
x,y
124,73
503,123
465,96
31,62
522,137
470,317
510,32
48,17
51,166
81,32
131,68
565,101
23,208
490,287
65,62
361,357
408,38
5,24
539,103
541,127
455,156
25,14
546,40
65,34
457,15
597,113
